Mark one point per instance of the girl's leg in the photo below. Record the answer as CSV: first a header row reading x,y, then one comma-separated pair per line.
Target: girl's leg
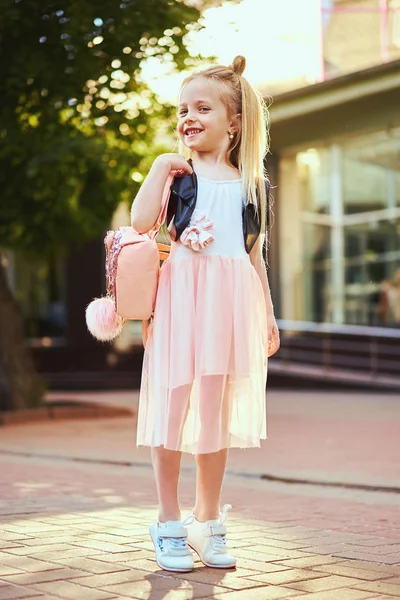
x,y
210,474
169,539
214,416
207,539
166,465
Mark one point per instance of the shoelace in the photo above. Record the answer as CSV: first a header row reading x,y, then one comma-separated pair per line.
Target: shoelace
x,y
224,515
180,543
177,543
220,540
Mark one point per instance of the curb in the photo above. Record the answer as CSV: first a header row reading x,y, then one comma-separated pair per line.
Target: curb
x,y
371,488
57,412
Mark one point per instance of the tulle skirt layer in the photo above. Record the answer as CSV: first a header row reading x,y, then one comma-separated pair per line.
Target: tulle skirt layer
x,y
205,364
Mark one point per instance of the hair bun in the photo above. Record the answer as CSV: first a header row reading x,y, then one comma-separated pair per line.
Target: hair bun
x,y
238,64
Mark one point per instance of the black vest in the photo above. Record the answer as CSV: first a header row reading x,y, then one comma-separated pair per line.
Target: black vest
x,y
182,203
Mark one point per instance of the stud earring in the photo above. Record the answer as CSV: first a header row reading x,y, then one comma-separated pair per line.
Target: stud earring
x,y
231,135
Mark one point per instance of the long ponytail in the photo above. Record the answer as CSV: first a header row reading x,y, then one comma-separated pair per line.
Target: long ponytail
x,y
251,142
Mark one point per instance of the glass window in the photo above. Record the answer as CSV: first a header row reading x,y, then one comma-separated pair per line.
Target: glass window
x,y
364,185
316,272
340,232
313,171
372,254
370,172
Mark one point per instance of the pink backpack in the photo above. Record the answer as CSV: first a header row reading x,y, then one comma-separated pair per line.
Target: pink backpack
x,y
132,273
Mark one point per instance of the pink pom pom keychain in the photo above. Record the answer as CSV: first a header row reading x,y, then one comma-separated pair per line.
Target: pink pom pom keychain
x,y
102,319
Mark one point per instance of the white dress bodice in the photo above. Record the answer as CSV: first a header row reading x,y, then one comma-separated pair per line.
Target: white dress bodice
x,y
222,202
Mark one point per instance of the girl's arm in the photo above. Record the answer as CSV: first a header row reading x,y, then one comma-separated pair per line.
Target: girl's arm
x,y
257,261
147,204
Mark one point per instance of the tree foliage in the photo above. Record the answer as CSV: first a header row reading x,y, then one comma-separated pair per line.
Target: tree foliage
x,y
76,118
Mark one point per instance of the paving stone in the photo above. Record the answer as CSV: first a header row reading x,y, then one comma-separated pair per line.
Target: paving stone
x,y
143,564
24,563
219,577
23,550
11,592
309,561
388,559
91,565
373,541
132,562
72,591
383,587
43,576
266,553
8,536
159,587
74,552
337,594
119,557
282,544
47,597
5,571
99,545
350,571
323,583
107,579
395,580
285,577
361,564
381,597
262,593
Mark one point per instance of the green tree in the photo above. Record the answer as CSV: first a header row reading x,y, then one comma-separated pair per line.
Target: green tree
x,y
76,121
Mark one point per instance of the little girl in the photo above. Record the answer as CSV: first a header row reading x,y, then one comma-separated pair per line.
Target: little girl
x,y
205,364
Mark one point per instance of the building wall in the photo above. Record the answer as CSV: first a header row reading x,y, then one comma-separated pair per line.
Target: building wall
x,y
358,34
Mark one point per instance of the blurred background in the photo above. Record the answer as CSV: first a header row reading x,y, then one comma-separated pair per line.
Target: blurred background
x,y
87,95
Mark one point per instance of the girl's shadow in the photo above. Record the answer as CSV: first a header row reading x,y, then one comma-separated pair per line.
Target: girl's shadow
x,y
163,582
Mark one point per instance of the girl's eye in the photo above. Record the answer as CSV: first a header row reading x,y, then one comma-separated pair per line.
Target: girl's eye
x,y
204,108
182,112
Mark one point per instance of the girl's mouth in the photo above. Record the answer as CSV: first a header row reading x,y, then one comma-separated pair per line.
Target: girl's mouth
x,y
191,132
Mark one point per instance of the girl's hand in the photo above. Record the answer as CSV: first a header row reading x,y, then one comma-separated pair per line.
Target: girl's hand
x,y
273,336
177,164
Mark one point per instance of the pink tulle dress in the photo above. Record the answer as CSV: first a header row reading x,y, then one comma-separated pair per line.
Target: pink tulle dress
x,y
205,363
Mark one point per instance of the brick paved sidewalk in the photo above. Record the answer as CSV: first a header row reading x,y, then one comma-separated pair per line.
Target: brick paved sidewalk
x,y
79,531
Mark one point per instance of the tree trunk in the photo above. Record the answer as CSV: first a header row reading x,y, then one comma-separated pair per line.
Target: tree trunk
x,y
20,384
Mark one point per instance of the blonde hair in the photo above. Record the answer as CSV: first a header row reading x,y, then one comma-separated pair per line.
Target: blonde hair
x,y
250,144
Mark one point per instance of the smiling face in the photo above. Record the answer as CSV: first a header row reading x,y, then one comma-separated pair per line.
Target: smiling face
x,y
204,123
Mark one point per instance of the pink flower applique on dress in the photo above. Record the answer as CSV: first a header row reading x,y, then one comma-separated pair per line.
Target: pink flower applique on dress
x,y
197,234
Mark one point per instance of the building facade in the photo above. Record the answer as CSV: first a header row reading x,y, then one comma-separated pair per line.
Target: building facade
x,y
337,150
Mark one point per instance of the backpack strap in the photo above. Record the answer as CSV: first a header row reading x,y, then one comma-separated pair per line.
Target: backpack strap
x,y
164,206
163,249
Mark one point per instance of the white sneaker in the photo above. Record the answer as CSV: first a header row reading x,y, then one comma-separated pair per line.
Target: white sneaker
x,y
172,551
208,540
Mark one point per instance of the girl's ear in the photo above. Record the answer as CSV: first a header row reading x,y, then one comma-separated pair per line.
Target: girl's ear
x,y
236,122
